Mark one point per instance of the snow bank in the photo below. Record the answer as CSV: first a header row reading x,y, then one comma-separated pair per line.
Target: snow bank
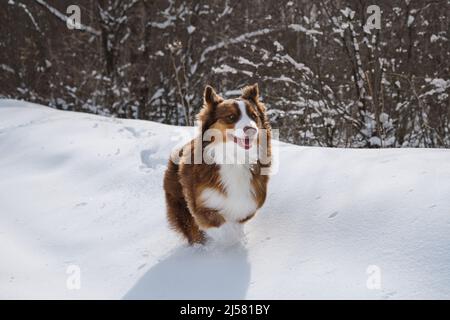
x,y
83,192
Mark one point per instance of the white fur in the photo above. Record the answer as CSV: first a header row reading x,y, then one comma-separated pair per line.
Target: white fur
x,y
244,121
238,202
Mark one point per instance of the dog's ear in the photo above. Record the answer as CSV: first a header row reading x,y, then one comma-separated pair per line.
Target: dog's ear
x,y
210,101
210,97
251,93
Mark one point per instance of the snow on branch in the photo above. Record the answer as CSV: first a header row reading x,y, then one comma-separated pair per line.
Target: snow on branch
x,y
300,28
24,7
235,40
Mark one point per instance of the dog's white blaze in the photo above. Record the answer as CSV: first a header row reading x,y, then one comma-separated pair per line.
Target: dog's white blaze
x,y
239,201
244,121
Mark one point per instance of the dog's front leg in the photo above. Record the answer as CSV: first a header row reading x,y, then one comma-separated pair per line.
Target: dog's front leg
x,y
208,218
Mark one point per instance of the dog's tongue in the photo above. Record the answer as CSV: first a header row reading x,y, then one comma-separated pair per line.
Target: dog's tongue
x,y
243,143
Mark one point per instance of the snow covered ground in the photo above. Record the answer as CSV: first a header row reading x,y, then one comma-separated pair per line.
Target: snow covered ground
x,y
82,195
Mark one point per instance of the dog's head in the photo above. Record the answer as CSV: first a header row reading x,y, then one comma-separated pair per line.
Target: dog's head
x,y
239,122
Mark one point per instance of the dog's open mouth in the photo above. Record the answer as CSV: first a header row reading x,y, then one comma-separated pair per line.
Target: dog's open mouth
x,y
243,142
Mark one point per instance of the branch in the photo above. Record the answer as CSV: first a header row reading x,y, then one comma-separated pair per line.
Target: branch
x,y
24,7
61,16
235,40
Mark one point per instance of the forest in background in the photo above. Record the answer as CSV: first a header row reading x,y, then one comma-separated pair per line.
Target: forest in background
x,y
326,78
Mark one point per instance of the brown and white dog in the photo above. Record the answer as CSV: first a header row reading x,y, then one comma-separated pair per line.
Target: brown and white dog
x,y
229,183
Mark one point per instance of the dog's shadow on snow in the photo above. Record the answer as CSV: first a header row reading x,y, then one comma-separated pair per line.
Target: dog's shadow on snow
x,y
193,273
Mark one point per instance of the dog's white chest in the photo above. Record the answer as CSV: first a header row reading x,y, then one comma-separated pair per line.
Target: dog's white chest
x,y
239,201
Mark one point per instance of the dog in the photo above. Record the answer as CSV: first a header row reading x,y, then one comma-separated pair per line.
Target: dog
x,y
229,184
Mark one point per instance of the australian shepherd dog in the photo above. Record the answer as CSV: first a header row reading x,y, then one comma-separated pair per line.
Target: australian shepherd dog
x,y
217,181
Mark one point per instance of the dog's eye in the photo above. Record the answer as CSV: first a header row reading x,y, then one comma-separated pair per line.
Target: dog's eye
x,y
231,118
253,116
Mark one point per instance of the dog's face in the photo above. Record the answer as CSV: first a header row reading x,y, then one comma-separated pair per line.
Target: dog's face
x,y
239,120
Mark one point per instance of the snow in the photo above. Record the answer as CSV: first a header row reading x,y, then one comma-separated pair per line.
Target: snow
x,y
190,29
278,45
348,13
436,38
410,20
224,68
165,24
158,94
242,60
375,141
6,68
300,28
440,84
83,193
235,40
24,7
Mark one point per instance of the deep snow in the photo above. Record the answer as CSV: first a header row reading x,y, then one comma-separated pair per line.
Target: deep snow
x,y
86,191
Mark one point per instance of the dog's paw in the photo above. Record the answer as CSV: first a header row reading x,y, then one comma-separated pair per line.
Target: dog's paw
x,y
228,234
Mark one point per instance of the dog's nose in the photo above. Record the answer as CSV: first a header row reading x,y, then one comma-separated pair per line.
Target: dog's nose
x,y
249,131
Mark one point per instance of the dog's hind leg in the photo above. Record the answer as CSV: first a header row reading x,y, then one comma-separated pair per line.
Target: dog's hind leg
x,y
178,214
182,221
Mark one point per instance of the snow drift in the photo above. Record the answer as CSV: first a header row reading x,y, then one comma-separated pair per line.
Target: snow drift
x,y
83,192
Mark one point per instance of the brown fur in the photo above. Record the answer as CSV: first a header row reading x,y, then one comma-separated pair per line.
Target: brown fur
x,y
184,182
